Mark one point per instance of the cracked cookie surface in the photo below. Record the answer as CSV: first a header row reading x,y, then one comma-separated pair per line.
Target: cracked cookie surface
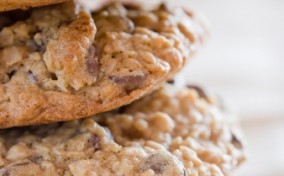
x,y
170,132
57,64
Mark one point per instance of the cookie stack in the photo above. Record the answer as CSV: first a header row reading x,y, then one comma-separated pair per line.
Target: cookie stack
x,y
85,93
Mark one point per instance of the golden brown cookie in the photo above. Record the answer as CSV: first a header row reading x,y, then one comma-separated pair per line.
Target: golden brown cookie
x,y
172,132
6,5
58,65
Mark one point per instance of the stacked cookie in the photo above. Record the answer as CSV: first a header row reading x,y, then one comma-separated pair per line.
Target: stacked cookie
x,y
84,93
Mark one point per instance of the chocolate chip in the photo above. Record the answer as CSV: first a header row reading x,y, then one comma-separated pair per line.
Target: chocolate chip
x,y
156,167
184,172
201,92
171,81
166,7
93,60
11,74
162,163
36,47
131,6
129,82
53,76
155,162
216,100
32,77
236,141
37,159
94,141
32,45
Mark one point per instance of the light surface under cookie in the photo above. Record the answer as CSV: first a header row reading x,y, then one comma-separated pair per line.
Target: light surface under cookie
x,y
164,134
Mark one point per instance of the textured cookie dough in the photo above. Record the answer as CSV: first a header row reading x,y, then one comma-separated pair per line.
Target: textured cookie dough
x,y
171,132
57,63
174,24
6,5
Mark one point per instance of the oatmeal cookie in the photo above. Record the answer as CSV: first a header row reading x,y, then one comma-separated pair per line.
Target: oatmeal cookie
x,y
6,5
164,134
58,64
188,123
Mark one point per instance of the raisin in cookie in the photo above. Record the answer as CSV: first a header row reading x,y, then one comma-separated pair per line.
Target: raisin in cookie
x,y
164,134
6,5
55,65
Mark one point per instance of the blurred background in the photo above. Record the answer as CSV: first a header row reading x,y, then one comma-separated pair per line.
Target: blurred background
x,y
243,61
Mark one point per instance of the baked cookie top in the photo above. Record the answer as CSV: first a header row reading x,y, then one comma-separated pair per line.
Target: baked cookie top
x,y
6,5
55,65
164,134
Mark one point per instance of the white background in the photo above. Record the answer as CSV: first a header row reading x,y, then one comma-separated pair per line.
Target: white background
x,y
244,62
